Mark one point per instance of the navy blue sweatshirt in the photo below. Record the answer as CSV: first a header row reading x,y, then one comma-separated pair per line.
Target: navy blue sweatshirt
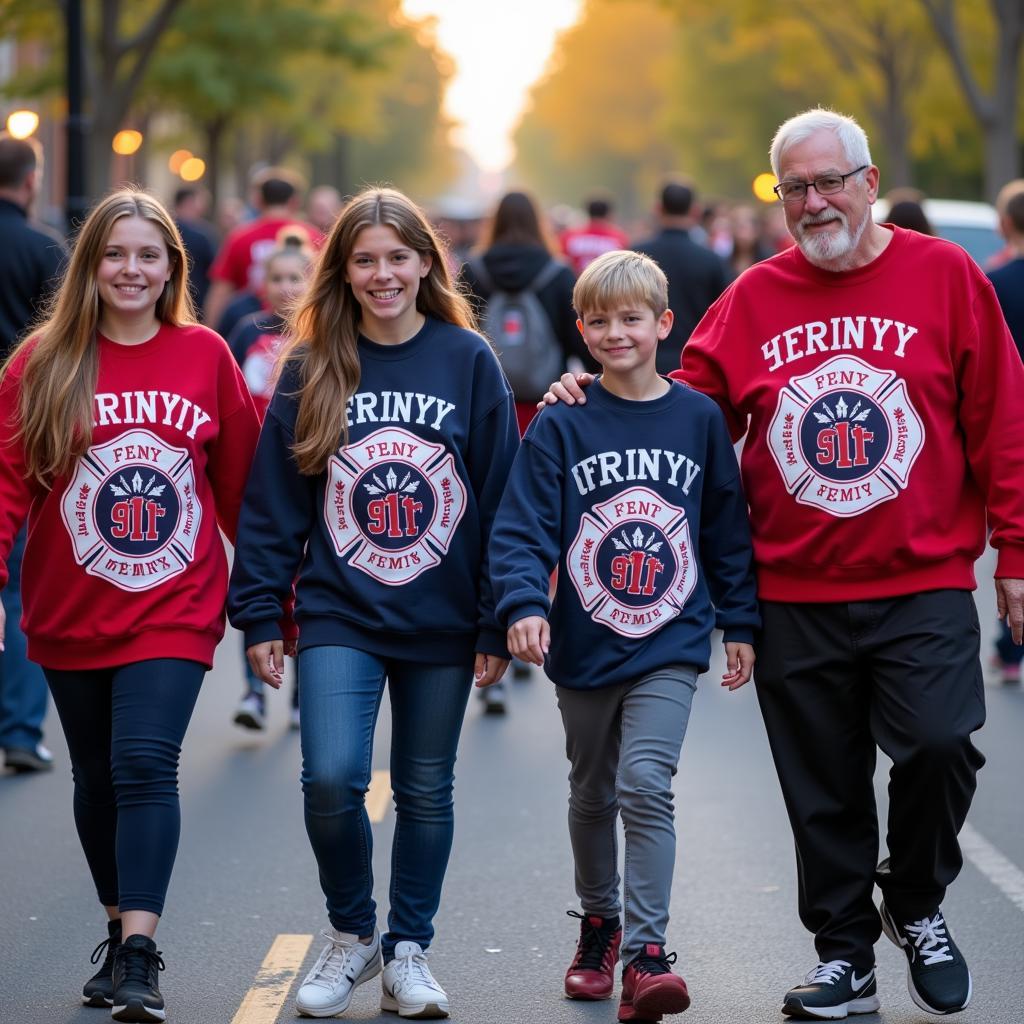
x,y
392,537
640,505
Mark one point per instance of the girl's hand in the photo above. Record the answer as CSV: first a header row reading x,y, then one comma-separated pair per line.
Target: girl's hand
x,y
739,660
488,669
530,639
267,661
569,389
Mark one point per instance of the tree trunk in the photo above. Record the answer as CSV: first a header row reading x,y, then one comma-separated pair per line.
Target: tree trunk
x,y
214,146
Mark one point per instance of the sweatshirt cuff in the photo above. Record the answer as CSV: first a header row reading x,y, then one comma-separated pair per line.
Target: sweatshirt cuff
x,y
524,611
1010,564
738,635
261,632
492,641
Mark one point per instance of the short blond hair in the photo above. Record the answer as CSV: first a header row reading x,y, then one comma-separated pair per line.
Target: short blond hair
x,y
620,278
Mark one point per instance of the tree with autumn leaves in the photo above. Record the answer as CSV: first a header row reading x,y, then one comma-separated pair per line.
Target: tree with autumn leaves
x,y
641,88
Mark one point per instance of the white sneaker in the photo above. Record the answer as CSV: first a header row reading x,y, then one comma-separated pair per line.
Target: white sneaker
x,y
343,964
250,713
408,987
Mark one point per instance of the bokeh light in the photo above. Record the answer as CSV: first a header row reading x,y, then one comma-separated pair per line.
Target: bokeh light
x,y
763,185
193,169
22,123
126,142
177,158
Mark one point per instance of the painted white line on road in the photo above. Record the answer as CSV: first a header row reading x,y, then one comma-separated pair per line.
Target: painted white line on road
x,y
378,797
1002,873
263,1002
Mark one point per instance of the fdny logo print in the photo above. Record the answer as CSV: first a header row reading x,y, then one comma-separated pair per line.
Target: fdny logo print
x,y
845,437
131,511
631,562
394,503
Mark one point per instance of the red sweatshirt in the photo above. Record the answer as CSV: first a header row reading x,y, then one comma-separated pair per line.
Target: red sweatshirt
x,y
124,561
881,408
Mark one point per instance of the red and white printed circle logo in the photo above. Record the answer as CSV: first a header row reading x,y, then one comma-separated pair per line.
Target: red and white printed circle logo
x,y
394,502
131,511
631,562
845,436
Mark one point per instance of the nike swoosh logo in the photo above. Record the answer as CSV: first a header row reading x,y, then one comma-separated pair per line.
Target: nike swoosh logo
x,y
858,983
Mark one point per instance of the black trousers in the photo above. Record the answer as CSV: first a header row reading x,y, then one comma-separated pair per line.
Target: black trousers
x,y
835,682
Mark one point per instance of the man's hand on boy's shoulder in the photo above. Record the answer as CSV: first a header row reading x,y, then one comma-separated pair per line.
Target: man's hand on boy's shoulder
x,y
569,389
529,639
739,663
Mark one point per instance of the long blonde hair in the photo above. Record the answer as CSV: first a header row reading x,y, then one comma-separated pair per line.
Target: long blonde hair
x,y
58,382
324,329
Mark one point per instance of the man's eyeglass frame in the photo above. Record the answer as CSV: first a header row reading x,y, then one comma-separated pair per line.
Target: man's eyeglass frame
x,y
803,186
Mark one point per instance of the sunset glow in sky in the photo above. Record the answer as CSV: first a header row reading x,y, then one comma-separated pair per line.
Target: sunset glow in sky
x,y
500,49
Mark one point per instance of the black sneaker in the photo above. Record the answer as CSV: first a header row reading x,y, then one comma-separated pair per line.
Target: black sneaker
x,y
937,974
136,993
99,989
832,991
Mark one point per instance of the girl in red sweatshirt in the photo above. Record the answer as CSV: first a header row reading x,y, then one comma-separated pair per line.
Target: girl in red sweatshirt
x,y
126,432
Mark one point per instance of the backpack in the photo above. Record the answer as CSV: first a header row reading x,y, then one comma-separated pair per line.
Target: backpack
x,y
522,333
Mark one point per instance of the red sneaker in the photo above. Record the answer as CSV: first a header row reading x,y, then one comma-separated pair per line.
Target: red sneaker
x,y
649,988
591,974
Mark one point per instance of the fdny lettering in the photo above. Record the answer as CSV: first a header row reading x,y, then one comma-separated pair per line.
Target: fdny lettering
x,y
840,334
639,464
844,494
397,407
118,568
149,407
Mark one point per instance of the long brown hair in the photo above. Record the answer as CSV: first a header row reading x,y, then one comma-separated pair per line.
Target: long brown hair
x,y
324,329
58,381
519,220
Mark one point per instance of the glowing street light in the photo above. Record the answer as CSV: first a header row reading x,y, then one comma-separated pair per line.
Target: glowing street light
x,y
193,169
763,187
22,123
177,158
126,142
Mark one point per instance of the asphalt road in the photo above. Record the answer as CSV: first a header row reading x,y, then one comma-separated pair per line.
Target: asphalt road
x,y
245,875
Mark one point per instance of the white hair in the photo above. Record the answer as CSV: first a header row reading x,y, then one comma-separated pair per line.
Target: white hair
x,y
801,127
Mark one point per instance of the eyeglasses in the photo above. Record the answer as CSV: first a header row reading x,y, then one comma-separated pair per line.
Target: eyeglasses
x,y
826,185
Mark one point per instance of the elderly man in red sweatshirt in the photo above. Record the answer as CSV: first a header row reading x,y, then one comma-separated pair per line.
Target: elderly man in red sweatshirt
x,y
875,380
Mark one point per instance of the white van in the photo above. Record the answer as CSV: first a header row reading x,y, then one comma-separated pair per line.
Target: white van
x,y
975,226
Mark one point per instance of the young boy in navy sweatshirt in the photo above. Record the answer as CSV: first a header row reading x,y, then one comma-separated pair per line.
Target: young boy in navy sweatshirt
x,y
636,497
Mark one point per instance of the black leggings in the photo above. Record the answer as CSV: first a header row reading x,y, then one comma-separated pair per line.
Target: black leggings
x,y
124,728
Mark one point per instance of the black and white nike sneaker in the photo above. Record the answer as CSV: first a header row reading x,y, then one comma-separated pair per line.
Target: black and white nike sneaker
x,y
832,991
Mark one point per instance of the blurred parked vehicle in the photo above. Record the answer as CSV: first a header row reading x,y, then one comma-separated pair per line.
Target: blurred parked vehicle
x,y
975,226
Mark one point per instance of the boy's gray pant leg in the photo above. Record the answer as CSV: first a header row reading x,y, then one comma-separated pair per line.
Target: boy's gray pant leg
x,y
623,743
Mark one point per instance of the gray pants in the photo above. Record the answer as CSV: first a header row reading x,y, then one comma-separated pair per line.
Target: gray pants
x,y
623,743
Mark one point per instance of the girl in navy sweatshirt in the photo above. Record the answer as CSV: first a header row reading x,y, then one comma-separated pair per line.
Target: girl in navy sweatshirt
x,y
383,456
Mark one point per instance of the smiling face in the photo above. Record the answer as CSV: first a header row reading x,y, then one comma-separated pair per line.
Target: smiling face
x,y
831,230
385,276
133,269
625,340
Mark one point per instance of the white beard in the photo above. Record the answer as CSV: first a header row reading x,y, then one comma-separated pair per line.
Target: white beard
x,y
830,251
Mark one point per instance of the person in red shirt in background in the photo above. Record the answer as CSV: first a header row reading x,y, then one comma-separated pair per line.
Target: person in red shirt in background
x,y
126,434
239,264
875,380
599,235
256,343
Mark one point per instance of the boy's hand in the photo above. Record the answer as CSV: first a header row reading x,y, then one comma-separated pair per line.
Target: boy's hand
x,y
739,660
569,389
530,639
488,669
267,661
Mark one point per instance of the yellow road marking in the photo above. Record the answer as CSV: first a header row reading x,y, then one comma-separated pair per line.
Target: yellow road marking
x,y
263,1002
378,797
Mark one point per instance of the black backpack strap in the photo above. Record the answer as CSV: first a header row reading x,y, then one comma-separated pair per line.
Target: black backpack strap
x,y
480,271
547,274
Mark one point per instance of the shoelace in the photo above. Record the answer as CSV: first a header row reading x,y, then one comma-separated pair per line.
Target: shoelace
x,y
827,973
140,965
331,964
594,943
413,968
110,946
654,964
929,935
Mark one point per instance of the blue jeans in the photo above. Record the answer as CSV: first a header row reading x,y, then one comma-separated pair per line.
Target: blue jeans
x,y
22,684
124,728
339,701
